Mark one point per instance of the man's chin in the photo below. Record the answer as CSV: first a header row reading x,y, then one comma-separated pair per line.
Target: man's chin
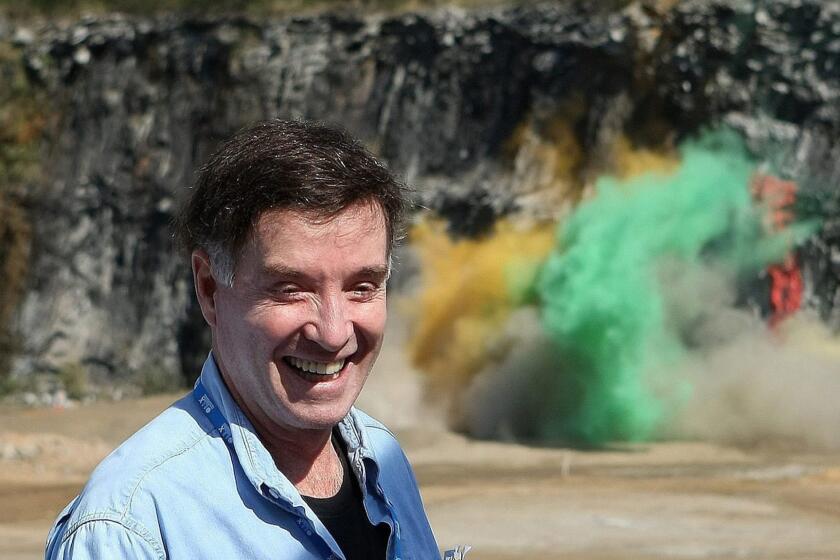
x,y
321,421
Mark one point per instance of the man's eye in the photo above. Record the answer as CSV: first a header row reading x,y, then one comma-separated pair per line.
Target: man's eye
x,y
287,290
365,289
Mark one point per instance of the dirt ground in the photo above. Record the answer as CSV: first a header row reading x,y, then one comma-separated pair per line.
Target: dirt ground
x,y
681,500
666,500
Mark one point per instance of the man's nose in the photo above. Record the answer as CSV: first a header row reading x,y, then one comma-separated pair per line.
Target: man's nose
x,y
330,327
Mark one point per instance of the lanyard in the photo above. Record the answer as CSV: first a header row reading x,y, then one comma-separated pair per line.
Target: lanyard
x,y
213,413
221,424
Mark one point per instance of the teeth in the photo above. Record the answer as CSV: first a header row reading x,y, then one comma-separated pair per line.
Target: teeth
x,y
320,368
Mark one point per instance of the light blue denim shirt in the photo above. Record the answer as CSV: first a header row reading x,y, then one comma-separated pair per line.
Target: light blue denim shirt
x,y
175,489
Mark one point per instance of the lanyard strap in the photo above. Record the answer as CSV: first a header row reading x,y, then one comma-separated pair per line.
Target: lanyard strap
x,y
219,422
213,413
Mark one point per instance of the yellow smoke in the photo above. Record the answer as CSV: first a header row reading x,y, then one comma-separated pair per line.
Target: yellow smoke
x,y
630,161
546,159
469,287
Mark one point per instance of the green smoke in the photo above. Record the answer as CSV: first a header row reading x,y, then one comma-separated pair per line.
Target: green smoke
x,y
600,294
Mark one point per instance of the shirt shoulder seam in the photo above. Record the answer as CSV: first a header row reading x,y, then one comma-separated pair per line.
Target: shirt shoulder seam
x,y
137,528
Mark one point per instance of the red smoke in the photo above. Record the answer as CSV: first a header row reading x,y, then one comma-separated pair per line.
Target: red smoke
x,y
786,277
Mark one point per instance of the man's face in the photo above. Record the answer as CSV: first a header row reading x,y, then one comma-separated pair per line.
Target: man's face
x,y
297,334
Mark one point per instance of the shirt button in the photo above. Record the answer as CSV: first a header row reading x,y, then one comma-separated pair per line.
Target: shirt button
x,y
274,493
308,533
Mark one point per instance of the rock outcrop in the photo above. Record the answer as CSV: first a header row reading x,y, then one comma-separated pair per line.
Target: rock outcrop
x,y
458,102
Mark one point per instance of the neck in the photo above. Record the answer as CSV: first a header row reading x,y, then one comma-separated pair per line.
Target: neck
x,y
310,463
306,457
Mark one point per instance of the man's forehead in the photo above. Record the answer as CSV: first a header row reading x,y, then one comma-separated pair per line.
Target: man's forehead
x,y
288,231
360,215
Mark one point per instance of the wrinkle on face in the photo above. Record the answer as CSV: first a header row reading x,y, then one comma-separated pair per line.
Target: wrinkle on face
x,y
313,289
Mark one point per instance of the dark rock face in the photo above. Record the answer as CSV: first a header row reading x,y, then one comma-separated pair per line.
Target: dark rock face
x,y
139,103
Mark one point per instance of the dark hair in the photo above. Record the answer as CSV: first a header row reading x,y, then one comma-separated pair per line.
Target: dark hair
x,y
282,164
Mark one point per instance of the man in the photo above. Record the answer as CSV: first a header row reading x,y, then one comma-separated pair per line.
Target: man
x,y
290,228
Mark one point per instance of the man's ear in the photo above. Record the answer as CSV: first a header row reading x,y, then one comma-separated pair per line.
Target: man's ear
x,y
205,285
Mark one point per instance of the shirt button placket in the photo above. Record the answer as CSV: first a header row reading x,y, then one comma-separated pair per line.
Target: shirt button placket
x,y
305,526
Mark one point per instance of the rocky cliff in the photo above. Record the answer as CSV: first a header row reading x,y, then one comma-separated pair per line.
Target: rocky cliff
x,y
505,110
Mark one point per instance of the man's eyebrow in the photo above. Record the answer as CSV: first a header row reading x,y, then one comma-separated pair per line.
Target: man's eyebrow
x,y
283,271
378,271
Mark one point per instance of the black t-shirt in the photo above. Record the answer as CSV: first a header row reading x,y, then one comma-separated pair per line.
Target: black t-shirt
x,y
344,517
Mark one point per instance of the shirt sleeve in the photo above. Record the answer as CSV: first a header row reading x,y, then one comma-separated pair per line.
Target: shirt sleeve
x,y
103,538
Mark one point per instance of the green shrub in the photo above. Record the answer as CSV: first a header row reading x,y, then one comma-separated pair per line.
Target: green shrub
x,y
74,8
21,124
75,380
154,380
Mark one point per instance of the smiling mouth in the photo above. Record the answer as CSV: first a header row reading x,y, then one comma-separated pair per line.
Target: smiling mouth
x,y
315,371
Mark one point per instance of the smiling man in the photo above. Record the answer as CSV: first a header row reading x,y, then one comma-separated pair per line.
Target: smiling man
x,y
289,228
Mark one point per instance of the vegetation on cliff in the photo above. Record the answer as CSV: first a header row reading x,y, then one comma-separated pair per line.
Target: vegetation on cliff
x,y
21,123
14,8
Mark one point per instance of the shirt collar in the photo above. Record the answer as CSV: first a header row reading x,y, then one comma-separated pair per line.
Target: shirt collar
x,y
253,456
